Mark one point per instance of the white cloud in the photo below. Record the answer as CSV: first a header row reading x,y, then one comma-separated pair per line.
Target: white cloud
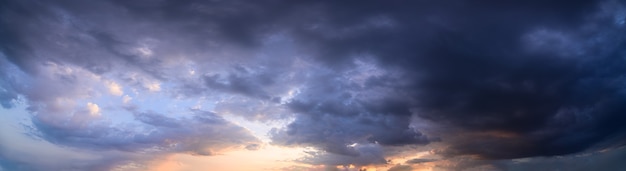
x,y
144,51
126,99
154,86
114,88
93,109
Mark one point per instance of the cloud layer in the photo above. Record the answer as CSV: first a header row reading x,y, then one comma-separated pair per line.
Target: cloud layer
x,y
494,80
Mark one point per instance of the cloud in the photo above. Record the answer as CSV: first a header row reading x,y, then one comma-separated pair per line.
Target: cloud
x,y
606,160
63,71
253,147
476,78
419,160
400,168
362,154
8,85
115,89
495,80
333,114
20,150
126,99
236,84
532,103
202,135
93,109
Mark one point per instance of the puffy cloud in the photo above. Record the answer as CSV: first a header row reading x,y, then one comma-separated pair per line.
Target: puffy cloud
x,y
153,86
93,109
115,89
126,99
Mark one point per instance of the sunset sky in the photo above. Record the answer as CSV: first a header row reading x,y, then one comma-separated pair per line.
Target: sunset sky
x,y
312,85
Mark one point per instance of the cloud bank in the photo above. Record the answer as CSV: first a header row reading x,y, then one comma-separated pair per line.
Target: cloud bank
x,y
489,80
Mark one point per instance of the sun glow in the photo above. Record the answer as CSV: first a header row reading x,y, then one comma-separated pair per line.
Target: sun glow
x,y
269,157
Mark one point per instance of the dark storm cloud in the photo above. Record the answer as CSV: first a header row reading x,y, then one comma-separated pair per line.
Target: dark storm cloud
x,y
550,103
605,160
20,41
11,44
98,43
500,79
333,115
471,66
601,160
474,67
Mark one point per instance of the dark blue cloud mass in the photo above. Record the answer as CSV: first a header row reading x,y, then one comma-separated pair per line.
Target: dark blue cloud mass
x,y
493,80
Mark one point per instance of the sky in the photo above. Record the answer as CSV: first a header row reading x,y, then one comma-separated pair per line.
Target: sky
x,y
312,85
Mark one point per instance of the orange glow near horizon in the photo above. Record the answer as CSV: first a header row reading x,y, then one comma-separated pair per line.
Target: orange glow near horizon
x,y
266,158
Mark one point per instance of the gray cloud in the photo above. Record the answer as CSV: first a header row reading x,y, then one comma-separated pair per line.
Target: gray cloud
x,y
66,49
401,168
419,160
237,84
498,80
470,79
603,160
12,165
204,134
8,87
157,120
361,154
333,114
606,160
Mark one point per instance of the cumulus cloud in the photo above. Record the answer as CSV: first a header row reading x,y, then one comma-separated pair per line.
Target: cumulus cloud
x,y
126,99
115,89
93,109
